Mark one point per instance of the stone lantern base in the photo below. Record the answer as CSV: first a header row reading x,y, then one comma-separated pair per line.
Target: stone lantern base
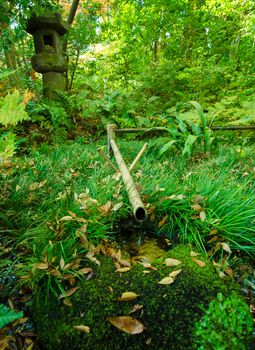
x,y
52,82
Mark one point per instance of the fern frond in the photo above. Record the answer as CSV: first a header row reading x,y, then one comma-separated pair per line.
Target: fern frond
x,y
12,110
7,315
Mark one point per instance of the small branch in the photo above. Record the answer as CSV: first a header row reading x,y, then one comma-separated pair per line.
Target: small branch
x,y
139,155
107,159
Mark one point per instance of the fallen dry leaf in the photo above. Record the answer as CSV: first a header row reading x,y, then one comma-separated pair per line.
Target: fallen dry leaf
x,y
67,302
175,273
146,272
117,206
66,218
81,328
127,324
127,296
162,222
42,266
198,262
135,308
226,247
124,262
68,293
62,263
146,265
85,270
172,262
123,269
193,253
202,215
229,271
166,280
196,207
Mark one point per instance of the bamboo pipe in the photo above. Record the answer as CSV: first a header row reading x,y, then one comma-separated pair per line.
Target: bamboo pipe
x,y
133,195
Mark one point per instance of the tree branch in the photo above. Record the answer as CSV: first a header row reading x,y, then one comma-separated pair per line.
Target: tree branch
x,y
72,11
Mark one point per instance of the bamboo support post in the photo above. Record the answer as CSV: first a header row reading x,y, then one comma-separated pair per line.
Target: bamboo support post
x,y
107,159
111,135
139,155
133,195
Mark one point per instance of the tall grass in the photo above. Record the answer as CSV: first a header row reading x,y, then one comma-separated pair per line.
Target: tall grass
x,y
47,184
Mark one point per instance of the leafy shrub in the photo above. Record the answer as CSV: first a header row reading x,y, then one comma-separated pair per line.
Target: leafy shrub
x,y
227,324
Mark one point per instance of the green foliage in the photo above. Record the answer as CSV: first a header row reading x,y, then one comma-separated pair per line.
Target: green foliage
x,y
8,316
52,117
12,110
7,146
187,135
226,325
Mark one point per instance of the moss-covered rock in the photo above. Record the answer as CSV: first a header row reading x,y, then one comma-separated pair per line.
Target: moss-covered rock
x,y
169,312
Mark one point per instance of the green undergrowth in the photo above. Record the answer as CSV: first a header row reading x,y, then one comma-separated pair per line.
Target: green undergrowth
x,y
53,197
167,312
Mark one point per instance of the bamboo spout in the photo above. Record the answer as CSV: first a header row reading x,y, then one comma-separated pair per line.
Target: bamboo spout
x,y
133,195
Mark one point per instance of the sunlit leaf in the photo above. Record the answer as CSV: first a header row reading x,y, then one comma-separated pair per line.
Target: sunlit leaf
x,y
166,280
198,262
172,262
85,270
124,262
196,207
135,308
42,266
81,328
123,269
66,218
127,296
117,206
226,247
193,253
202,215
175,273
62,263
127,324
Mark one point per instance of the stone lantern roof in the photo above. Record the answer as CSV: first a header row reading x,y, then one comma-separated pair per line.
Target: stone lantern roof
x,y
50,22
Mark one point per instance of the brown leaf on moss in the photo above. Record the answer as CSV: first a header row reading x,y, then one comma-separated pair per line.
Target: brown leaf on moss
x,y
85,270
135,308
127,296
123,269
81,328
124,263
166,280
175,273
199,262
68,293
172,262
127,324
193,253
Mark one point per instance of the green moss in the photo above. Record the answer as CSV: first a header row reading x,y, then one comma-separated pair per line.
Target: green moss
x,y
169,311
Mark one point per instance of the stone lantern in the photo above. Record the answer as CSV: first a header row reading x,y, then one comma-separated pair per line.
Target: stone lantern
x,y
49,59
